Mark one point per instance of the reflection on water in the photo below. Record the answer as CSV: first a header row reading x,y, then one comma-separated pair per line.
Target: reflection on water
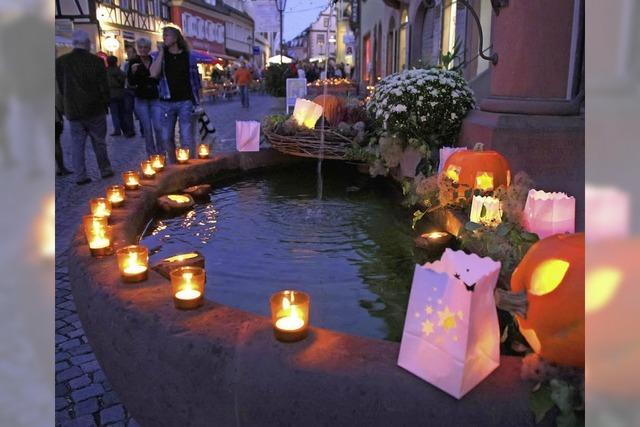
x,y
352,252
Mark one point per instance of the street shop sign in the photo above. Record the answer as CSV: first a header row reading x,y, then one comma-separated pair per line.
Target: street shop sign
x,y
203,32
296,88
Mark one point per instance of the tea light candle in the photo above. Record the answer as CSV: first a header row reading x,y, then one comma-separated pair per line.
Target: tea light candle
x,y
131,180
133,262
178,198
100,206
157,162
203,151
290,315
187,284
148,172
182,155
115,195
98,235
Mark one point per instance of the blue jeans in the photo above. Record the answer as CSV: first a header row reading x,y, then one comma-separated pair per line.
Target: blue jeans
x,y
116,108
128,127
148,112
244,95
96,129
170,112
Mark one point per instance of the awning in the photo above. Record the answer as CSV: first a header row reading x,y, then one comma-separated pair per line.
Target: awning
x,y
203,57
276,59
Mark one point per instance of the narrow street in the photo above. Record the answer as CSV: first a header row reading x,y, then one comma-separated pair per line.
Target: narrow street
x,y
84,396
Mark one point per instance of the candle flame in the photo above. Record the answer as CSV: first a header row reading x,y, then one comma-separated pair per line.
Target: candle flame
x,y
132,259
285,303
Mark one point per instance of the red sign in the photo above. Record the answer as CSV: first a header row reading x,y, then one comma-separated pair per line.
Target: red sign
x,y
203,32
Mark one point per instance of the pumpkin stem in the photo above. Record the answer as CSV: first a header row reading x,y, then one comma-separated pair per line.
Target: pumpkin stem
x,y
514,303
479,146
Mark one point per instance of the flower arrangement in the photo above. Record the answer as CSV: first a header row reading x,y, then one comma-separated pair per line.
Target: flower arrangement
x,y
425,107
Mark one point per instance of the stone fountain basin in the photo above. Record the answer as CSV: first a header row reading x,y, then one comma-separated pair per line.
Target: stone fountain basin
x,y
222,366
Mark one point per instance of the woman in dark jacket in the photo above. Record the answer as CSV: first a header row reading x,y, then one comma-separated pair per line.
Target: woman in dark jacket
x,y
147,106
116,79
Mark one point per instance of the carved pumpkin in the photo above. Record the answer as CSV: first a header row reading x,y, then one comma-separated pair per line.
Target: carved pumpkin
x,y
552,274
612,294
333,108
478,169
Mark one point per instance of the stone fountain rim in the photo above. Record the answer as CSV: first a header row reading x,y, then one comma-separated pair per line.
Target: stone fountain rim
x,y
231,355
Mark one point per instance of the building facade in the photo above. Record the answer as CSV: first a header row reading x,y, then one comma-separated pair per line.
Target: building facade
x,y
319,45
112,24
394,35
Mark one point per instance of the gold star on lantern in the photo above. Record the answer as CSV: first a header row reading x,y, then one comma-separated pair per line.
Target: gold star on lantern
x,y
429,309
417,314
447,319
484,181
427,327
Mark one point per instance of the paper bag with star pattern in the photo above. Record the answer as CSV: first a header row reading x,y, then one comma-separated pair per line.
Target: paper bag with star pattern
x,y
451,337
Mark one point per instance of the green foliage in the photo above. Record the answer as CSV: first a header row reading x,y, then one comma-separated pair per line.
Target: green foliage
x,y
449,58
562,394
507,243
275,79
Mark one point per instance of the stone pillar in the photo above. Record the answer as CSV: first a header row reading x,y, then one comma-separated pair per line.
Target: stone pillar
x,y
533,113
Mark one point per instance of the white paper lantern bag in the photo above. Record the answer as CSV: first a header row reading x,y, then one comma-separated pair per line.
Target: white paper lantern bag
x,y
547,214
248,136
451,336
445,153
306,113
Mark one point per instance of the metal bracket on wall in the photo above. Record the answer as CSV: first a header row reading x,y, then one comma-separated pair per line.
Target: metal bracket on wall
x,y
496,4
499,4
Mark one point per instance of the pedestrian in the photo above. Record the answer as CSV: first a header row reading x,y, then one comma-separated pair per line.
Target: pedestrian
x,y
147,104
61,170
128,126
242,79
82,81
301,72
116,79
178,88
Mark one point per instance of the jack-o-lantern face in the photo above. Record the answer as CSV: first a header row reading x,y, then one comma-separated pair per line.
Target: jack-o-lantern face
x,y
612,295
552,274
478,169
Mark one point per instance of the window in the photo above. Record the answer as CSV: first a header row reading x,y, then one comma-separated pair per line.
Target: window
x,y
320,39
326,22
402,41
125,5
449,28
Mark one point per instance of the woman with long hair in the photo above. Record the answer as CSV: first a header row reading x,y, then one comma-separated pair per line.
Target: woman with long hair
x,y
179,89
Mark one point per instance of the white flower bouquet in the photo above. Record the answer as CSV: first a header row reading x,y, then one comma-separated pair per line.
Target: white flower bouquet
x,y
424,107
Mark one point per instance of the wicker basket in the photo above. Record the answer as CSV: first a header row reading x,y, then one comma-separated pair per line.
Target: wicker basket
x,y
307,144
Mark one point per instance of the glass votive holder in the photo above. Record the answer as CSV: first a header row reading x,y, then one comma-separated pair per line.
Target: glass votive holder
x,y
98,235
204,150
182,155
157,162
100,206
131,180
290,315
115,195
187,284
148,172
133,263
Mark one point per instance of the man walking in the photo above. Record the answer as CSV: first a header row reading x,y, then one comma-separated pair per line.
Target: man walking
x,y
82,81
179,89
242,78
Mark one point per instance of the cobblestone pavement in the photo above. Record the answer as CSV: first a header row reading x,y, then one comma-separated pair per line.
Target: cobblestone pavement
x,y
84,396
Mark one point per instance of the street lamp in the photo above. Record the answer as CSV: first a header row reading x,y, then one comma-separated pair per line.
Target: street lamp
x,y
281,5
